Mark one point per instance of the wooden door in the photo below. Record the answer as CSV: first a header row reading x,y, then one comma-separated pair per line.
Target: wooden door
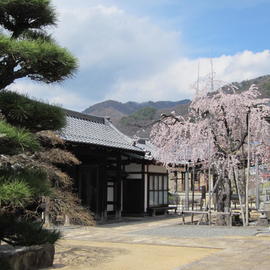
x,y
133,196
88,186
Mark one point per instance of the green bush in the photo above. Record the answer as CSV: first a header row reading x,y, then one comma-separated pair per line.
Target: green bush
x,y
22,111
15,140
25,232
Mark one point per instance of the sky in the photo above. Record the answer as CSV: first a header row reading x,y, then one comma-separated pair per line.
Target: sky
x,y
140,50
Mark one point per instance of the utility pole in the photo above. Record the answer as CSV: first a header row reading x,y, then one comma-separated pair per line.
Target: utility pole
x,y
198,81
209,184
212,75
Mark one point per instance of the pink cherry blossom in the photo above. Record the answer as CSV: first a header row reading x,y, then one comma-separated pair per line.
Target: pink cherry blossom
x,y
215,130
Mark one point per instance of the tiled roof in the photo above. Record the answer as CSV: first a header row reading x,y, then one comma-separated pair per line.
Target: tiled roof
x,y
83,128
147,147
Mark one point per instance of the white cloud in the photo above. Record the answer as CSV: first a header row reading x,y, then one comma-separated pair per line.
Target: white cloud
x,y
175,81
107,37
54,94
126,57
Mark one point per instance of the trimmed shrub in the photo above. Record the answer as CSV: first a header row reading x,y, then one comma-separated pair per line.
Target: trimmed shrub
x,y
24,232
22,111
15,140
34,178
15,193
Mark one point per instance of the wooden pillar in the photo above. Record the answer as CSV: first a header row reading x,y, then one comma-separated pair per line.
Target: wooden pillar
x,y
176,182
118,188
103,191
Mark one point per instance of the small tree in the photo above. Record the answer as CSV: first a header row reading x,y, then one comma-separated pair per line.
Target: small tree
x,y
216,132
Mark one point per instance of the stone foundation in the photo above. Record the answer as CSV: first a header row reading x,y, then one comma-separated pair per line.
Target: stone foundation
x,y
26,258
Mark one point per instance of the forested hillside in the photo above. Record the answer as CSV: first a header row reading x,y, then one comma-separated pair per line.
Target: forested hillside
x,y
134,119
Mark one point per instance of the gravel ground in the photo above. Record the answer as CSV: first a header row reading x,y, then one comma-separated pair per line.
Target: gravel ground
x,y
193,231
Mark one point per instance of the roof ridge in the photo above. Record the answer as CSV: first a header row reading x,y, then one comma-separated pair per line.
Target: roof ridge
x,y
88,117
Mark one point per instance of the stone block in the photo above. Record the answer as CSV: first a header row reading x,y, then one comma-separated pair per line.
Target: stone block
x,y
26,258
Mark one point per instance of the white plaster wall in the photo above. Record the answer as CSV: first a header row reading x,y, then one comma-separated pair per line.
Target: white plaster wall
x,y
135,176
156,169
133,167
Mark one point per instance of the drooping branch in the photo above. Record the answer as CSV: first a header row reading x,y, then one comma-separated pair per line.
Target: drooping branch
x,y
216,121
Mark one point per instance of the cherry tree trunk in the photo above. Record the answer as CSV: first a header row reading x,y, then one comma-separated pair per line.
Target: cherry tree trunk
x,y
223,200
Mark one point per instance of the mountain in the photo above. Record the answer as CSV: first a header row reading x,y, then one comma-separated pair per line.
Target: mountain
x,y
129,107
139,122
263,83
134,119
127,116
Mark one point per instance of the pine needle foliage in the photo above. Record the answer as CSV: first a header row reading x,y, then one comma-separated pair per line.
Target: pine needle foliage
x,y
20,15
38,60
37,35
36,179
26,50
21,111
15,193
24,232
15,140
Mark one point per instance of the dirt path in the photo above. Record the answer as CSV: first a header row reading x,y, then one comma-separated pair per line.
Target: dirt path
x,y
161,245
120,256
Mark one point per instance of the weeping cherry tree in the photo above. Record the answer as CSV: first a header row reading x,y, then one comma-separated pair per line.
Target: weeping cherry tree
x,y
216,132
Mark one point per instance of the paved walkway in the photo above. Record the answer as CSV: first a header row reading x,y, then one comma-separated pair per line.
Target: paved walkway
x,y
162,245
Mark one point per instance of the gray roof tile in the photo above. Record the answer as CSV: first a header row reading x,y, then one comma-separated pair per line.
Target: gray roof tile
x,y
88,129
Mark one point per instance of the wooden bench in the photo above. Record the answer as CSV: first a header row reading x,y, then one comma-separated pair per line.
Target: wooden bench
x,y
166,209
233,216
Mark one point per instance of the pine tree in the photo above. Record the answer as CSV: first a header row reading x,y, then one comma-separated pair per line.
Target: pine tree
x,y
27,50
29,158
